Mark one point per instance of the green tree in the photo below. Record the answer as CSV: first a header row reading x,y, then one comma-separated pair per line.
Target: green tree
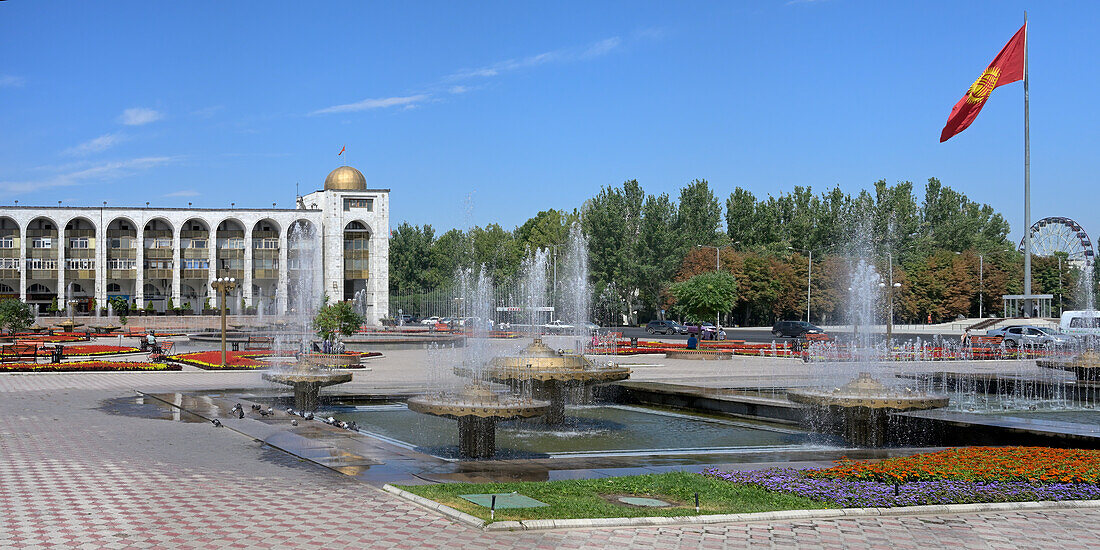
x,y
15,315
699,214
706,295
339,318
657,249
121,307
410,258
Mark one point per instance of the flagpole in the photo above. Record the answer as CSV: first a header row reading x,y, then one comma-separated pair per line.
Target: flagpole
x,y
1027,187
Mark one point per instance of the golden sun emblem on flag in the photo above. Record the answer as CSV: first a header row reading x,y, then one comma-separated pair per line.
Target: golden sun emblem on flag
x,y
982,87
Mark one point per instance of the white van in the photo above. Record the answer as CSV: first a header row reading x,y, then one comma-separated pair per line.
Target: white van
x,y
1081,322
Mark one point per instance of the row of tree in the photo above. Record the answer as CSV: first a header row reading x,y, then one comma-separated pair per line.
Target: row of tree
x,y
641,243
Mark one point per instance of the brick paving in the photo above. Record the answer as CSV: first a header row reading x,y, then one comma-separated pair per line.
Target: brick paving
x,y
74,475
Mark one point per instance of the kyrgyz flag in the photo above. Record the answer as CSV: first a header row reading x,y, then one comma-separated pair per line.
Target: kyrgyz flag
x,y
1006,68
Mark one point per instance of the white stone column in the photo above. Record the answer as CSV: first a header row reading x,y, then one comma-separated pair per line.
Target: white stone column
x,y
101,244
177,265
62,296
212,272
246,290
139,274
23,242
282,286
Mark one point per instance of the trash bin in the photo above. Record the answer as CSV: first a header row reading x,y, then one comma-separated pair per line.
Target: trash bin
x,y
236,346
57,353
633,341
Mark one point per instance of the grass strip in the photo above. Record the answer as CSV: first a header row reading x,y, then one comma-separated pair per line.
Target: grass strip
x,y
597,498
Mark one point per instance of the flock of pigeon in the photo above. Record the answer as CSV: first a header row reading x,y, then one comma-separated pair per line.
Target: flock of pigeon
x,y
239,410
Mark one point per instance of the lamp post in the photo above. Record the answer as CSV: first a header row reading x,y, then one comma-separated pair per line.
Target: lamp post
x,y
890,286
809,275
717,267
223,285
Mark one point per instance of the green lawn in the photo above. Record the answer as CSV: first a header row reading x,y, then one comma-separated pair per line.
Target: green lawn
x,y
594,498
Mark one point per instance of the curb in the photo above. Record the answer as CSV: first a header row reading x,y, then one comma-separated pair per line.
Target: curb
x,y
784,515
460,517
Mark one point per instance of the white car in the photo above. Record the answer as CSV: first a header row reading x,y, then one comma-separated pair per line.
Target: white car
x,y
429,321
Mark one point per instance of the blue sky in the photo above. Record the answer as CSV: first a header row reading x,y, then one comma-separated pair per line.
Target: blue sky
x,y
491,114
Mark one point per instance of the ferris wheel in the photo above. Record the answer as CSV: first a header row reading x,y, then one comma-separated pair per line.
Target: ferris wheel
x,y
1058,234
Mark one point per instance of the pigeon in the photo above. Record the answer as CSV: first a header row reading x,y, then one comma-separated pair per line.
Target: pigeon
x,y
289,410
270,410
354,427
330,420
240,413
294,422
264,413
217,423
309,416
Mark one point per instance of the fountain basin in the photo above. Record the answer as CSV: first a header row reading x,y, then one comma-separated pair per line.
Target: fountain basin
x,y
698,354
1085,366
307,384
335,360
862,411
477,410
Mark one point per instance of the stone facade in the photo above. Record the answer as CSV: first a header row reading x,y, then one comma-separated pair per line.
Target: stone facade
x,y
153,255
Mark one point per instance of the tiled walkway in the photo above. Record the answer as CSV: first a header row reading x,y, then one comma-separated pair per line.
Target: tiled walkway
x,y
73,475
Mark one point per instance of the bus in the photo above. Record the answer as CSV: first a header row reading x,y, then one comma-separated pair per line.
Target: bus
x,y
1084,322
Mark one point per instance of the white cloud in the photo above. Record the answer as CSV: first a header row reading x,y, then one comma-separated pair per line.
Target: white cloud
x,y
101,172
136,116
459,89
11,81
602,47
184,193
99,144
368,104
596,49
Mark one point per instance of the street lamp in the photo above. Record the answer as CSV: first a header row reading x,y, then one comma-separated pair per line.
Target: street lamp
x,y
890,315
809,274
717,267
223,285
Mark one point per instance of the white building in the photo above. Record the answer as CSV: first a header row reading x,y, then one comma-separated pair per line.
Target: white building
x,y
150,255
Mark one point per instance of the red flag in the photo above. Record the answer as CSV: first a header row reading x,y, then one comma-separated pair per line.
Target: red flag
x,y
342,150
1006,68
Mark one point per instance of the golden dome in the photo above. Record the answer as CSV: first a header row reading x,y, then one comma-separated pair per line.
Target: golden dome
x,y
345,178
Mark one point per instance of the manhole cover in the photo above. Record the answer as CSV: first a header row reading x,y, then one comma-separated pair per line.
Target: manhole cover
x,y
504,500
643,501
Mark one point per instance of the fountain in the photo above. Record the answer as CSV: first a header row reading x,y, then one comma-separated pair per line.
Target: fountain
x,y
477,408
863,410
309,372
551,374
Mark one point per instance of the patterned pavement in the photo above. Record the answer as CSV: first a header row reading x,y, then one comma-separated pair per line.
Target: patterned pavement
x,y
75,475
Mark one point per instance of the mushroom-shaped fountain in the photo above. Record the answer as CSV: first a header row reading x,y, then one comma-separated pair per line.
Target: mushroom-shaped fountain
x,y
551,373
860,410
1085,366
477,409
307,380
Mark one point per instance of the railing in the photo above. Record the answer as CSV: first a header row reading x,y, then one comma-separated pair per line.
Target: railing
x,y
196,253
235,273
125,274
199,274
159,253
158,273
80,274
356,274
265,273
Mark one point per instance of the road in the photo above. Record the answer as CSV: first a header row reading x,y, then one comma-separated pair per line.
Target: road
x,y
752,335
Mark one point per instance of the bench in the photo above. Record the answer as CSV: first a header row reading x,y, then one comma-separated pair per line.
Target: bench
x,y
262,343
160,351
986,341
17,352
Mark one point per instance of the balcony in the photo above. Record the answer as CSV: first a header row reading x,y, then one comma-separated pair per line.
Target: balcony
x,y
195,274
265,273
73,274
123,274
121,253
350,274
235,273
158,253
196,253
158,273
42,253
42,274
9,274
9,252
80,253
231,253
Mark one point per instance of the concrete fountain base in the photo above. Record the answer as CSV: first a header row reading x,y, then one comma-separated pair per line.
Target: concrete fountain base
x,y
307,385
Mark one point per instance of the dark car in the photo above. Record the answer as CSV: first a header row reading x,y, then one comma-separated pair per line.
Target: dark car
x,y
705,331
664,327
795,329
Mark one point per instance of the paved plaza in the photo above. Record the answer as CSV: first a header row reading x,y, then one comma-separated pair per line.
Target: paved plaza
x,y
75,473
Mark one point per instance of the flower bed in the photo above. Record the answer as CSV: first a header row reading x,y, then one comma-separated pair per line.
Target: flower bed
x,y
234,360
954,476
53,339
89,349
1030,464
238,360
87,366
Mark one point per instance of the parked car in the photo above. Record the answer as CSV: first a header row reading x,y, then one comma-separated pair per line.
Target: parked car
x,y
429,321
1028,335
665,327
795,329
404,319
559,326
1082,323
705,331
